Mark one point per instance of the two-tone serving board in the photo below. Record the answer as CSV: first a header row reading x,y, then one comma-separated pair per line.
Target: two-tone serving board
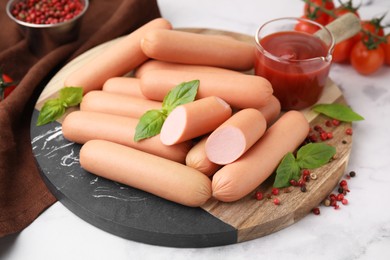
x,y
140,216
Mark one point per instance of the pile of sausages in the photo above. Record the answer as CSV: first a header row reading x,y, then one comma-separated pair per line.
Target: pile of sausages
x,y
222,145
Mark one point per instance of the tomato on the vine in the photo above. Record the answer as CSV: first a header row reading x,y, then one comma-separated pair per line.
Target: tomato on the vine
x,y
303,26
373,29
373,26
316,10
7,85
386,48
344,8
342,50
366,60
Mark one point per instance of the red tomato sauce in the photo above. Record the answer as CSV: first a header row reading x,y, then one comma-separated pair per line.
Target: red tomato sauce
x,y
292,66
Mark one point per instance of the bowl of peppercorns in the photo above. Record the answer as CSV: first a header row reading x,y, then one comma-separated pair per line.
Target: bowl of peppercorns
x,y
47,23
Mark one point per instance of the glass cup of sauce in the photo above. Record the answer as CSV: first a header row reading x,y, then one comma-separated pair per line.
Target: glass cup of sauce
x,y
296,63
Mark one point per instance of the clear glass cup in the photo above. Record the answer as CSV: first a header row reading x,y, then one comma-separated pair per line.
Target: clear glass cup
x,y
296,63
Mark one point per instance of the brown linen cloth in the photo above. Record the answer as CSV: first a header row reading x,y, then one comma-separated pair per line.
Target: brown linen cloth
x,y
23,195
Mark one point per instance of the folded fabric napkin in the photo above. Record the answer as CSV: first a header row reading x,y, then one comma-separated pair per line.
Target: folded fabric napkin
x,y
23,195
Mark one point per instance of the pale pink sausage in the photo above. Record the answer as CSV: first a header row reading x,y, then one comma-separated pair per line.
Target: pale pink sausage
x,y
162,65
198,49
236,180
115,60
235,136
237,89
196,158
110,103
164,178
124,86
82,126
194,119
271,110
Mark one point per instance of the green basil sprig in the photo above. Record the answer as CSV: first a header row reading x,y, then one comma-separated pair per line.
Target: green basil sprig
x,y
54,108
309,156
338,111
151,122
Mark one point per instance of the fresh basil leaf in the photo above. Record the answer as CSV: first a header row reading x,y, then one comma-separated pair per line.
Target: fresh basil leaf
x,y
314,155
55,108
287,170
72,96
149,124
338,111
51,110
181,94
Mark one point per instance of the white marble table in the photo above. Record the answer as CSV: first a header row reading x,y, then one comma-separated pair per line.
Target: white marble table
x,y
360,230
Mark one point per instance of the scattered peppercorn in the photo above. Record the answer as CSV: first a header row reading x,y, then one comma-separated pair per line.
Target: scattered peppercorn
x,y
45,11
318,128
340,197
316,211
301,182
276,201
335,122
303,188
306,172
349,131
327,202
275,191
259,195
352,174
324,136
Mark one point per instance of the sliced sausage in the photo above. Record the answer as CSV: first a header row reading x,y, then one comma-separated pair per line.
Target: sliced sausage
x,y
236,180
194,119
235,136
82,126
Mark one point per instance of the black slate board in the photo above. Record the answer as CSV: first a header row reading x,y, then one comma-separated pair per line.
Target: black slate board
x,y
117,208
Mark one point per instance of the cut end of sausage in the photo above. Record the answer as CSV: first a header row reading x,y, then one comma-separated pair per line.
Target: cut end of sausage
x,y
226,145
174,126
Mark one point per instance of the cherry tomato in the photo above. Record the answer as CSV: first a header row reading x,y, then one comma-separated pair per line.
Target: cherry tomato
x,y
314,10
6,86
373,31
342,50
386,48
303,26
373,26
366,61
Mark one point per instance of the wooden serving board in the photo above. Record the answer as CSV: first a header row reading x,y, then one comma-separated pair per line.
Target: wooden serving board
x,y
143,217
